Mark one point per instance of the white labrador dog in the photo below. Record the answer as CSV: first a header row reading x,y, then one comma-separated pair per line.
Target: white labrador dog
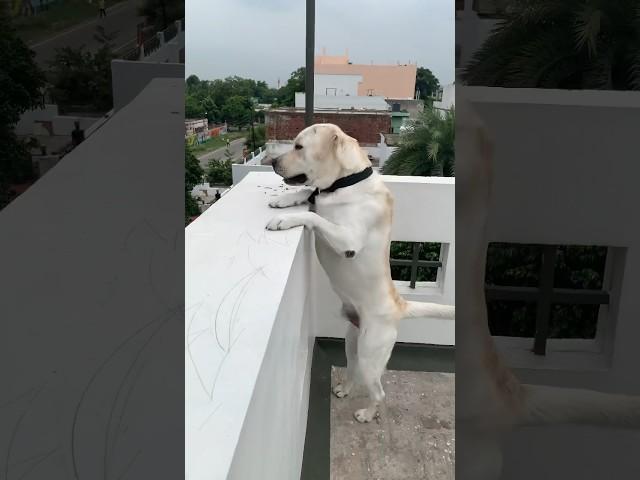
x,y
351,215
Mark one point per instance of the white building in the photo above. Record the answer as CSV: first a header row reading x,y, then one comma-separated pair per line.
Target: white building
x,y
336,85
446,97
195,125
343,102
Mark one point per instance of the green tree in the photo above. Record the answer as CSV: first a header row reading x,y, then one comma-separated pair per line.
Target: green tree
x,y
426,147
219,172
259,136
236,110
193,107
81,78
286,94
21,84
193,174
571,44
426,83
192,81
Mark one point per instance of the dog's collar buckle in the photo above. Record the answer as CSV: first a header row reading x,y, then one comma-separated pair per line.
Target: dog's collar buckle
x,y
341,183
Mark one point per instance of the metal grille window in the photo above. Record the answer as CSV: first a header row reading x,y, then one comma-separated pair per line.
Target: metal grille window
x,y
415,261
545,291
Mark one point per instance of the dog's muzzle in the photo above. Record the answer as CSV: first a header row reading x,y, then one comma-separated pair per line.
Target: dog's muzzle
x,y
295,180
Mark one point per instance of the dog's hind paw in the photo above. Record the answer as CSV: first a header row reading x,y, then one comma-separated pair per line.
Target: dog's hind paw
x,y
365,415
341,390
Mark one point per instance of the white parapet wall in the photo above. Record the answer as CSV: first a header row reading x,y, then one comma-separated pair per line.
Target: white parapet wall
x,y
255,301
248,340
129,78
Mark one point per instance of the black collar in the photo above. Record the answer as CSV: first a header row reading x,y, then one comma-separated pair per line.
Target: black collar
x,y
341,183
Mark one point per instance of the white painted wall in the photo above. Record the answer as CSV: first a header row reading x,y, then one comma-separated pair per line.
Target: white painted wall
x,y
61,124
25,125
239,171
47,328
343,102
129,78
168,52
589,155
344,84
250,286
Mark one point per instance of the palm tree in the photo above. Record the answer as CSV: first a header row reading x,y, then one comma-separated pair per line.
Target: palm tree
x,y
426,146
567,44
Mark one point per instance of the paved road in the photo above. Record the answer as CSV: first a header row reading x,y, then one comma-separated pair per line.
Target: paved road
x,y
236,149
121,18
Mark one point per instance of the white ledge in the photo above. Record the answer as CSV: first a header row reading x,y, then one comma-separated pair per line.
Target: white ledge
x,y
229,254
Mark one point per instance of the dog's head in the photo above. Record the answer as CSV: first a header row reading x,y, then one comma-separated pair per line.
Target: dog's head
x,y
321,154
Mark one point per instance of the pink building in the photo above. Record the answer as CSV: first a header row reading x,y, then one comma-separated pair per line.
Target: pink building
x,y
335,75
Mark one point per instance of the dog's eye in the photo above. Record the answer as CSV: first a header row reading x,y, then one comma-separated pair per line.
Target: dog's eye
x,y
298,147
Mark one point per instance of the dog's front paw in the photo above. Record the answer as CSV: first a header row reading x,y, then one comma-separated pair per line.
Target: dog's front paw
x,y
282,203
283,222
365,415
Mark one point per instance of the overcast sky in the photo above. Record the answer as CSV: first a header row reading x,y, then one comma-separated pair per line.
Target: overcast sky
x,y
264,39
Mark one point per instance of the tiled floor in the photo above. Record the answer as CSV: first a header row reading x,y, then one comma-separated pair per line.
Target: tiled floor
x,y
413,439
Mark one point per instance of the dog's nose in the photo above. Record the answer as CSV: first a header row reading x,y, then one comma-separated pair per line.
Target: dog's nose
x,y
274,163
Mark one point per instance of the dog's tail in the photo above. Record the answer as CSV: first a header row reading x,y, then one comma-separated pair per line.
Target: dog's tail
x,y
433,310
546,405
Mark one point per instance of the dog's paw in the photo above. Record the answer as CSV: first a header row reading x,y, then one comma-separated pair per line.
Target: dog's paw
x,y
365,415
341,390
283,222
282,203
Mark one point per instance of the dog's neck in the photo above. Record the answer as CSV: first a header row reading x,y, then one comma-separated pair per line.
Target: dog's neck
x,y
343,182
351,160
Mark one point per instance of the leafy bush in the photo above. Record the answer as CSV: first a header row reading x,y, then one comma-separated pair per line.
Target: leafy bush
x,y
219,172
426,146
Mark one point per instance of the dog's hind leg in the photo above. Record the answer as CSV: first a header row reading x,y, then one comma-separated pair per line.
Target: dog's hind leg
x,y
375,344
351,349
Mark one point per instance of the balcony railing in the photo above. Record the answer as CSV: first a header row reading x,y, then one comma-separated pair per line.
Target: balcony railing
x,y
255,302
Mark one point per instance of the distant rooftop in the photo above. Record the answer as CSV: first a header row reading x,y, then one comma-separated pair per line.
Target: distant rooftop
x,y
330,110
391,81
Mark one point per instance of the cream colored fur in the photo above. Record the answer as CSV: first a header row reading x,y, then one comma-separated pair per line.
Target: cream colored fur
x,y
353,233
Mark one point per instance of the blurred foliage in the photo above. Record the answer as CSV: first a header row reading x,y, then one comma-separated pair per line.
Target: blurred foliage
x,y
568,44
219,172
193,174
404,251
21,85
81,78
427,146
577,267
